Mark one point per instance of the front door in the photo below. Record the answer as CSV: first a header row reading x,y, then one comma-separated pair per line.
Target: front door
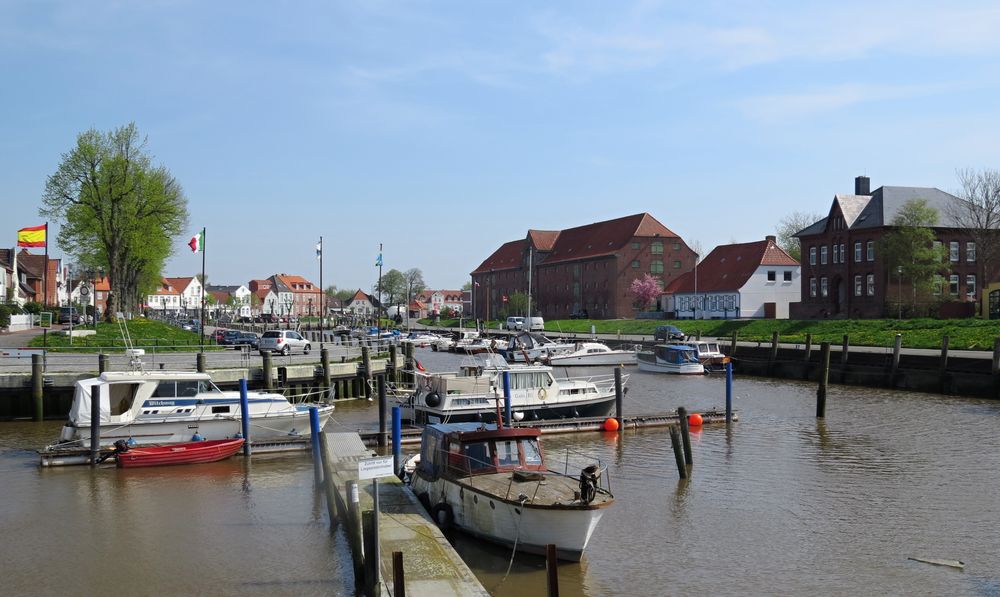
x,y
995,304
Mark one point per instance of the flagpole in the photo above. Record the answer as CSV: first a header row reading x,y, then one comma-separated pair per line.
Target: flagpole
x,y
378,316
322,294
203,285
45,272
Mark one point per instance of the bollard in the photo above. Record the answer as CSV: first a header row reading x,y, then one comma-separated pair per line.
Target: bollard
x,y
95,425
809,348
397,440
328,486
366,361
845,350
896,348
370,544
315,431
824,376
729,391
408,376
391,367
266,364
398,578
200,360
774,350
324,358
38,385
675,442
619,399
552,570
506,397
682,416
102,363
382,412
354,528
245,417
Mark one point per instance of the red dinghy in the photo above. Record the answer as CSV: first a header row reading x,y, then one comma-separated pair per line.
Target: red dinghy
x,y
186,453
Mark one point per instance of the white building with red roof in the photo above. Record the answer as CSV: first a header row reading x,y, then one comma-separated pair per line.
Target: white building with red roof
x,y
435,301
743,280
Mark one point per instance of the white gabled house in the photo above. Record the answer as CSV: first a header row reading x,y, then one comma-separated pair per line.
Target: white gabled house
x,y
176,295
744,280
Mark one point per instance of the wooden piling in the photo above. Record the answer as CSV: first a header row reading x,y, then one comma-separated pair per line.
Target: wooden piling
x,y
552,570
809,348
383,436
845,350
267,370
391,366
354,528
824,377
896,348
398,577
996,357
200,362
38,386
732,346
774,352
324,357
371,563
944,365
682,418
95,425
675,442
102,363
329,488
619,400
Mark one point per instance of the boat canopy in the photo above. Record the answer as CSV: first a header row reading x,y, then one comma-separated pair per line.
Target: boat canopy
x,y
477,448
676,353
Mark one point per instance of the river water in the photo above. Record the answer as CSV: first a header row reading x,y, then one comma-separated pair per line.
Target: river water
x,y
779,504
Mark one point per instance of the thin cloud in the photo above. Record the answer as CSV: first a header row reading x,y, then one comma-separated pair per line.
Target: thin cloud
x,y
794,106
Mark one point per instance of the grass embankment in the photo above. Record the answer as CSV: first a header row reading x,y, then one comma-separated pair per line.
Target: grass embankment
x,y
964,334
144,333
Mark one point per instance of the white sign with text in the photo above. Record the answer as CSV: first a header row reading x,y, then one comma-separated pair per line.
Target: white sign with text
x,y
373,468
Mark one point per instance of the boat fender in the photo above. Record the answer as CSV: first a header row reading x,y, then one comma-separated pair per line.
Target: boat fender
x,y
443,515
425,500
432,400
197,437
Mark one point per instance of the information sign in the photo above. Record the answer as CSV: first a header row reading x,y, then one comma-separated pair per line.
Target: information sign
x,y
373,468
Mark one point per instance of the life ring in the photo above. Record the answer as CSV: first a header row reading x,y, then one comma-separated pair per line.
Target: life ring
x,y
443,515
543,393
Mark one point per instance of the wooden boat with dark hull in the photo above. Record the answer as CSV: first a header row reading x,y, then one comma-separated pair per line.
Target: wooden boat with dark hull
x,y
185,453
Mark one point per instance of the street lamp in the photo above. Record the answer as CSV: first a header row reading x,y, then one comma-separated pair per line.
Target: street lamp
x,y
899,282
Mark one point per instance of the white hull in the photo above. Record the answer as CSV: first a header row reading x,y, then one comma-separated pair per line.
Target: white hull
x,y
680,369
604,359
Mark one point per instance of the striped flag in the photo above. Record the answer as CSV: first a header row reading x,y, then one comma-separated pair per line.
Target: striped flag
x,y
378,260
197,242
32,236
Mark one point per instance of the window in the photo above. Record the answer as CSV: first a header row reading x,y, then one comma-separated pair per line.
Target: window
x,y
532,455
870,249
953,284
822,286
843,255
636,245
656,247
477,455
812,255
812,287
635,264
857,285
871,284
771,276
953,250
970,287
938,283
970,252
677,264
788,276
835,256
822,255
857,252
656,266
677,246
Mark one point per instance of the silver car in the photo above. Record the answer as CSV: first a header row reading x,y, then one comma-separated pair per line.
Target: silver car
x,y
284,342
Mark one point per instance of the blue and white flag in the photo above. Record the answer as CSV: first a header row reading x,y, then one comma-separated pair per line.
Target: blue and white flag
x,y
319,250
378,260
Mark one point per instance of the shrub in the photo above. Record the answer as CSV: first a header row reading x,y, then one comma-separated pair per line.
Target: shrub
x,y
33,307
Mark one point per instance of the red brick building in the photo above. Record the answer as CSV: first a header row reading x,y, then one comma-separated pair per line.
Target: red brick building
x,y
586,270
844,273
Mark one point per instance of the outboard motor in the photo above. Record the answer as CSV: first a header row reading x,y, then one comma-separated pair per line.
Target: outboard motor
x,y
121,446
589,478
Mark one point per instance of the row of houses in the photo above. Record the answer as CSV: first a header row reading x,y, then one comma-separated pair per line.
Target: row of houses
x,y
588,271
27,277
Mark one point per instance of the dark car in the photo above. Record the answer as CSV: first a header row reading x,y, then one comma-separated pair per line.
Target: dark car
x,y
248,338
666,333
69,315
230,337
579,314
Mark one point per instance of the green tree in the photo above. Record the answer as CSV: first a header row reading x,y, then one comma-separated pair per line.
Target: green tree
x,y
414,283
517,304
117,209
791,224
393,287
911,254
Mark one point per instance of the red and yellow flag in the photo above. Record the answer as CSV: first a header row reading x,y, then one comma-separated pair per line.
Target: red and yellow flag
x,y
32,236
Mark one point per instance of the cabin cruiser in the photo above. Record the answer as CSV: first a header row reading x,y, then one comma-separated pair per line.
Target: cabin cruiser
x,y
476,392
528,347
671,358
172,406
451,343
494,483
593,353
420,339
707,353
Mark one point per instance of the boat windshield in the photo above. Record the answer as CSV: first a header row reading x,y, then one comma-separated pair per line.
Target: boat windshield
x,y
186,388
477,455
532,455
507,453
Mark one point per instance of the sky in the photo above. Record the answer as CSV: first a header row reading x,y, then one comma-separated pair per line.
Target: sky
x,y
443,129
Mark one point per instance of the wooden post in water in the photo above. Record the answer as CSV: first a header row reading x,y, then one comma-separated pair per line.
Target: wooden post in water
x,y
732,346
675,442
200,362
328,486
824,377
845,350
391,368
552,570
996,367
102,363
896,348
809,348
619,399
774,352
398,577
324,358
369,539
408,364
944,365
95,424
383,436
682,417
38,385
366,361
268,372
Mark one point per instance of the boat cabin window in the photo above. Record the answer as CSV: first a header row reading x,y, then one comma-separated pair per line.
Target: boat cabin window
x,y
507,453
165,389
187,388
530,380
477,455
220,409
532,455
122,396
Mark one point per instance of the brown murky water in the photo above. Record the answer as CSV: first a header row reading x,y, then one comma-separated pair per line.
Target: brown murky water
x,y
780,504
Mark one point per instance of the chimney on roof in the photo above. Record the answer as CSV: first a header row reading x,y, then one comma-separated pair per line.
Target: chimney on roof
x,y
862,185
771,238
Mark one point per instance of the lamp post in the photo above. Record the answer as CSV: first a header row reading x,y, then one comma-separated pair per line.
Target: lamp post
x,y
310,307
899,282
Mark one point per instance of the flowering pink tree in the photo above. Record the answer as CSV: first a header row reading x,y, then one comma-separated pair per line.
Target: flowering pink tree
x,y
645,290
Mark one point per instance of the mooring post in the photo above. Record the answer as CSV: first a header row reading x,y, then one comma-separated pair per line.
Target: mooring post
x,y
38,385
315,431
383,411
896,348
408,364
729,391
398,578
102,363
845,350
732,346
809,347
682,418
675,442
324,358
552,570
268,373
824,376
506,398
774,350
366,360
329,488
95,424
245,417
996,356
391,368
368,535
200,362
354,527
944,364
397,440
619,399
697,334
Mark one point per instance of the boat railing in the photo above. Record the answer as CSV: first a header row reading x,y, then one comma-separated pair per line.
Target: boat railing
x,y
576,461
604,383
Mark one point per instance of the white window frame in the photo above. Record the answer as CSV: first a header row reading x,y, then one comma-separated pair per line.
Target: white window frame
x,y
857,252
823,254
953,251
870,250
970,251
970,286
857,285
824,287
953,285
812,287
870,281
812,255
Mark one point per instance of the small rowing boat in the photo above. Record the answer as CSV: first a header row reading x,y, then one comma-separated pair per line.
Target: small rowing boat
x,y
185,453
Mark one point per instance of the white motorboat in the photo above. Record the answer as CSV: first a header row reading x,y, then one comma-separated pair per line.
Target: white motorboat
x,y
528,347
494,484
446,344
172,406
481,345
671,358
420,339
707,353
593,353
476,392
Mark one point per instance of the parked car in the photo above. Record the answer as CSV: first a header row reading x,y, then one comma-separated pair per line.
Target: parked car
x,y
666,333
230,337
69,315
515,323
579,314
283,341
536,324
248,338
219,335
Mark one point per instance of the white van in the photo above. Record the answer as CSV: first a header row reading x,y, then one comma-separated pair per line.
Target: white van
x,y
515,323
536,324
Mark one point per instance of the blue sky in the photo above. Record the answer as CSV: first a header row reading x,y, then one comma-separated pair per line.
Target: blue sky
x,y
443,129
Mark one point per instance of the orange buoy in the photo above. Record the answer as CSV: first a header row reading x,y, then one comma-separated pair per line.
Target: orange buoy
x,y
694,420
610,424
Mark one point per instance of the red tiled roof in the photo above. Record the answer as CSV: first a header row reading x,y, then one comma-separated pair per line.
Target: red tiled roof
x,y
604,238
179,284
221,296
360,296
543,240
728,267
417,306
103,285
261,293
508,256
298,284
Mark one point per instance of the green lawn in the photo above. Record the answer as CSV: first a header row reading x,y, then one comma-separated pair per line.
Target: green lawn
x,y
144,332
968,334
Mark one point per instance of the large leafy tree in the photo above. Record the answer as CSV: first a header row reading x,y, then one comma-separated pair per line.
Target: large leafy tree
x,y
393,287
414,283
911,254
645,290
118,210
788,226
